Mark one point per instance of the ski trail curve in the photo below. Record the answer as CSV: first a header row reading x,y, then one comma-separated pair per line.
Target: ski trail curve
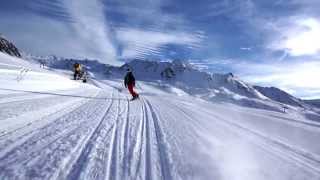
x,y
154,164
160,141
79,163
40,153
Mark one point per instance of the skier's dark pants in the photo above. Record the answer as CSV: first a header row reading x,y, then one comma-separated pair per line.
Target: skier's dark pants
x,y
132,92
76,74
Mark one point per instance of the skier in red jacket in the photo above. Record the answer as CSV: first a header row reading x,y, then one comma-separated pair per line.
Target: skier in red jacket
x,y
129,82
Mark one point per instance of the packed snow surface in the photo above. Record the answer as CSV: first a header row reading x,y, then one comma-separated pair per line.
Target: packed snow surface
x,y
54,128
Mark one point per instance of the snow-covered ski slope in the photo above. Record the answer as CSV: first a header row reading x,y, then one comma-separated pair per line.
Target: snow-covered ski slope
x,y
54,128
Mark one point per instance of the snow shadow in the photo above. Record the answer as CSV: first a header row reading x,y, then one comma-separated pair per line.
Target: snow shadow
x,y
296,121
244,102
65,95
313,117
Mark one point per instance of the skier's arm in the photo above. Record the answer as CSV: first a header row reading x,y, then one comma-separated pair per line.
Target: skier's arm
x,y
125,81
133,81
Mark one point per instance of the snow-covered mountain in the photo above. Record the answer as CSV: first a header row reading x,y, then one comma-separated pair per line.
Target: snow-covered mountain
x,y
178,73
313,102
8,47
189,79
279,95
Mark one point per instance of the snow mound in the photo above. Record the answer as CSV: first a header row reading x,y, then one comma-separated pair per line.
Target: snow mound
x,y
17,75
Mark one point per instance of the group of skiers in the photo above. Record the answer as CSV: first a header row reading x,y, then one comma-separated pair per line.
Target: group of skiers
x,y
79,72
129,80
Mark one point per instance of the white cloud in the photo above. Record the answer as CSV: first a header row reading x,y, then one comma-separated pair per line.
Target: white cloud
x,y
83,33
299,78
147,28
43,36
91,25
138,43
299,38
246,48
82,29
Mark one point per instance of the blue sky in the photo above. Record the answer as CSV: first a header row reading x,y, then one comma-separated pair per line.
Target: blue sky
x,y
271,43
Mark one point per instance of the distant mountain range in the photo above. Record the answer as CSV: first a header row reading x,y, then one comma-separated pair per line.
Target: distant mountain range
x,y
182,75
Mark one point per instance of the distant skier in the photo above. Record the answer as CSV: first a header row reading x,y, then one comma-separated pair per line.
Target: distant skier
x,y
42,64
129,82
77,71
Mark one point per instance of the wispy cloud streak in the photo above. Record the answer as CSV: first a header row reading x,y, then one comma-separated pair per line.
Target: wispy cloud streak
x,y
138,43
93,28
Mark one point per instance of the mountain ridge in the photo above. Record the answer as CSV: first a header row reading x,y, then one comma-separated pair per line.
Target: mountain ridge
x,y
8,47
181,74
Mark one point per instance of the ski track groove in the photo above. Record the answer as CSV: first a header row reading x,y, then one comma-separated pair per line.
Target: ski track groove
x,y
26,96
112,164
294,121
52,136
137,155
130,163
14,109
291,121
5,96
82,106
151,134
117,155
301,158
103,160
148,157
125,142
29,96
75,106
78,163
162,152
